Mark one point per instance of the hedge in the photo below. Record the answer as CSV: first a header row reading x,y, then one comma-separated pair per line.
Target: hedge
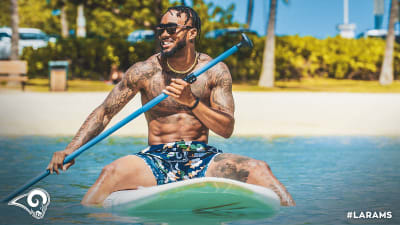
x,y
299,57
89,58
296,57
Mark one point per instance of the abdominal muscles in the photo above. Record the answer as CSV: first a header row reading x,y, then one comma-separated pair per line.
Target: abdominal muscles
x,y
176,127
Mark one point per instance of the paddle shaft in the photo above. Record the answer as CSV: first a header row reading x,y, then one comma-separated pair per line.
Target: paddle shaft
x,y
190,78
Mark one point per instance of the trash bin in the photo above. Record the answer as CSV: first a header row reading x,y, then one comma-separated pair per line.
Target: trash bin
x,y
58,75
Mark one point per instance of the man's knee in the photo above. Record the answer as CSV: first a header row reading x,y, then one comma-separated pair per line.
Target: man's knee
x,y
258,165
120,167
109,170
251,171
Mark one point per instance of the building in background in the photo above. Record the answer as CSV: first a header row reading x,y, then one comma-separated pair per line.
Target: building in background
x,y
379,31
379,11
346,29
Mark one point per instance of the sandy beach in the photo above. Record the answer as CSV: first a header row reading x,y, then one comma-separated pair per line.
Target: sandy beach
x,y
256,114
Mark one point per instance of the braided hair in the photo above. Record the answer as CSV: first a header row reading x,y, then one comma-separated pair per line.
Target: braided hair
x,y
190,15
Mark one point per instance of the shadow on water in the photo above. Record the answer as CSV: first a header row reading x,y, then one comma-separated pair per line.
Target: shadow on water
x,y
78,214
183,218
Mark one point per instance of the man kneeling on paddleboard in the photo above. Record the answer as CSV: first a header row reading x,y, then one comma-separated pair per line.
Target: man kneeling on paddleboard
x,y
178,127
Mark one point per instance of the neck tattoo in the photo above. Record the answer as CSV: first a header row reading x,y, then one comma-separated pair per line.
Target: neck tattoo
x,y
184,71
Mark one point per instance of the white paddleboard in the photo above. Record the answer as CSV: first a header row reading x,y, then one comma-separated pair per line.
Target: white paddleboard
x,y
198,195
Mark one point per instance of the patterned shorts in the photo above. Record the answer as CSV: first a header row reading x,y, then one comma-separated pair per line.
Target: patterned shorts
x,y
177,161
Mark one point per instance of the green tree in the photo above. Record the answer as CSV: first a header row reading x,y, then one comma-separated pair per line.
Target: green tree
x,y
117,18
29,15
112,18
14,38
268,67
64,21
37,14
214,17
57,5
5,13
386,76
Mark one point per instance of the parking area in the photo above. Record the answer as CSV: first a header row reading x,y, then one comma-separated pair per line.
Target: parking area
x,y
28,37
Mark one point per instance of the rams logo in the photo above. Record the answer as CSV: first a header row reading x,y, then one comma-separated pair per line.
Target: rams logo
x,y
37,201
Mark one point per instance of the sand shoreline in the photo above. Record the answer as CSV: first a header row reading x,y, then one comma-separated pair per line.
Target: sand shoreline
x,y
257,114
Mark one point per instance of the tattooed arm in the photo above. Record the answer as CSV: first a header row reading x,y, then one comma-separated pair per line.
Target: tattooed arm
x,y
219,117
95,123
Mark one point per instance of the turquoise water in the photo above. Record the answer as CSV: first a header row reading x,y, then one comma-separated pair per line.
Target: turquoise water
x,y
327,176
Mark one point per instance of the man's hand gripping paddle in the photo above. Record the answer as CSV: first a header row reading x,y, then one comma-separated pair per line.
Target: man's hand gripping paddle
x,y
246,42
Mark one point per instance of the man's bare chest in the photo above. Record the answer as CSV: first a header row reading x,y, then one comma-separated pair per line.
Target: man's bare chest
x,y
159,81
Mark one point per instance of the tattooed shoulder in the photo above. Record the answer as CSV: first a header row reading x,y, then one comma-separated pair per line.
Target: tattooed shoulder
x,y
131,83
204,57
221,94
219,74
140,72
222,77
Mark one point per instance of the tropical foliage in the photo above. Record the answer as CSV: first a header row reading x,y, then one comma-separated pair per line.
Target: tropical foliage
x,y
91,58
386,76
296,57
112,18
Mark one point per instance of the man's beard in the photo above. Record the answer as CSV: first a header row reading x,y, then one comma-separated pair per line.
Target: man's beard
x,y
180,45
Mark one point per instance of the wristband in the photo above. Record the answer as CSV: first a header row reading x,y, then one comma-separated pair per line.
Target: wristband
x,y
195,104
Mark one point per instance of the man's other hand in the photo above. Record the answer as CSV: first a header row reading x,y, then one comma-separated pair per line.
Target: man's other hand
x,y
57,162
181,92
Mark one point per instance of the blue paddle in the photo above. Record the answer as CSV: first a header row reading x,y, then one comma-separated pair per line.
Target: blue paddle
x,y
245,42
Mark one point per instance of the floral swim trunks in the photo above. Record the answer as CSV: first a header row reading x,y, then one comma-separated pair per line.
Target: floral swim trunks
x,y
179,160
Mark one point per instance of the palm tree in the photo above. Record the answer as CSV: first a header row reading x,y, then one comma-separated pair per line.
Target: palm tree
x,y
14,28
14,39
386,76
268,68
64,21
158,7
250,7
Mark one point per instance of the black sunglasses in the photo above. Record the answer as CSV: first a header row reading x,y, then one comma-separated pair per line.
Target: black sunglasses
x,y
170,27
